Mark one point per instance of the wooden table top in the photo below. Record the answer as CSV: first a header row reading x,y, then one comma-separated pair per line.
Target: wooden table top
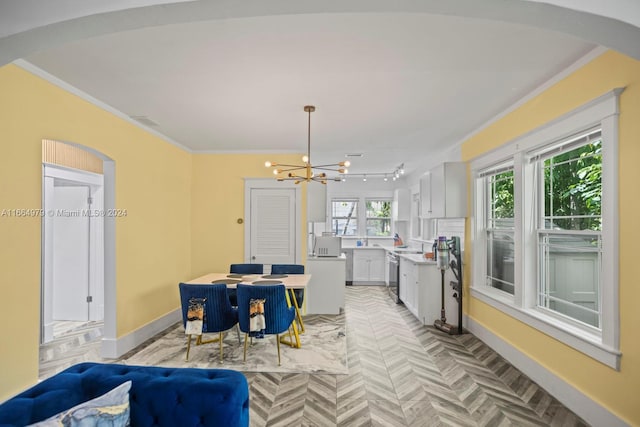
x,y
292,281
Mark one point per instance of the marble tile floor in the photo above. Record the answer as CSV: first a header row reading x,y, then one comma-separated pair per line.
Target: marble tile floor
x,y
402,373
324,350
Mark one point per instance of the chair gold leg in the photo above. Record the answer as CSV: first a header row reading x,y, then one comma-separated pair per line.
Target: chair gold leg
x,y
188,345
297,308
245,347
203,341
220,347
278,343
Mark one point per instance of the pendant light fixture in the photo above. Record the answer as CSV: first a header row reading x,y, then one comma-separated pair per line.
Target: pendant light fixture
x,y
306,172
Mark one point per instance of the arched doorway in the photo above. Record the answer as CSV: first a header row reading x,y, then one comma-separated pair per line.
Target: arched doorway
x,y
78,241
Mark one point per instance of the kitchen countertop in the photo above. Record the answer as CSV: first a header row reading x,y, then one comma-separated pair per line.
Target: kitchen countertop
x,y
407,253
342,257
386,248
417,258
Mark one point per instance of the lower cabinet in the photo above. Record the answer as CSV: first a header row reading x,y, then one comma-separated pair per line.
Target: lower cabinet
x,y
420,291
369,265
408,282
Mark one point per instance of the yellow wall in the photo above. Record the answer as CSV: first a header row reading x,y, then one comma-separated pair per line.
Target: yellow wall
x,y
617,391
181,213
218,202
153,243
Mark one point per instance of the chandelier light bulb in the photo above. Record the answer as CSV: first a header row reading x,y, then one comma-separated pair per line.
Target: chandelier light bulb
x,y
305,158
364,178
267,164
346,163
276,171
385,178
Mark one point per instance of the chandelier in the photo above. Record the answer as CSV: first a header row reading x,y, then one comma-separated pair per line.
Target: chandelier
x,y
306,172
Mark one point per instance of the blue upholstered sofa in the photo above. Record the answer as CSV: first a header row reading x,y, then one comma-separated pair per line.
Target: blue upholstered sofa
x,y
158,396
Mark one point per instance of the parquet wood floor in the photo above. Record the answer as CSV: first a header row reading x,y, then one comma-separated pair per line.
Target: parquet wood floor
x,y
401,373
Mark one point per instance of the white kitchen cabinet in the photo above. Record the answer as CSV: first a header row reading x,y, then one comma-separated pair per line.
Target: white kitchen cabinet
x,y
369,265
401,205
443,191
409,286
420,291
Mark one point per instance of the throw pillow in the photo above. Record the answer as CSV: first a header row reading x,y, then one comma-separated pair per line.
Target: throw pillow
x,y
110,409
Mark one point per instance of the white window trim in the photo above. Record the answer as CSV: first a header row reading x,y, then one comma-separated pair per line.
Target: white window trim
x,y
603,346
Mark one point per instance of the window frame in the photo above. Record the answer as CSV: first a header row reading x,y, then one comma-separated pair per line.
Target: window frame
x,y
538,158
603,344
356,217
487,217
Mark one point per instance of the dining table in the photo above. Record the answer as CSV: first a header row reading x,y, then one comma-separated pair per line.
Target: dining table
x,y
291,283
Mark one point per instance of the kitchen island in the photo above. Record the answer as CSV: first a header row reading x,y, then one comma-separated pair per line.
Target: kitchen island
x,y
325,291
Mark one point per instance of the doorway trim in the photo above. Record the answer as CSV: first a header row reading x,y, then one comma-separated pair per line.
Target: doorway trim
x,y
109,333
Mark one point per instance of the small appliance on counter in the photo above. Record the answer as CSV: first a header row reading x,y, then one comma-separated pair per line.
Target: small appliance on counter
x,y
328,246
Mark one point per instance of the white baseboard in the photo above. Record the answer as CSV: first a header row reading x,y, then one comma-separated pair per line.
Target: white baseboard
x,y
114,348
586,408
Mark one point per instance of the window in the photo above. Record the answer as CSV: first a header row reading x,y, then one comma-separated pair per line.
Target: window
x,y
499,226
344,217
378,218
545,229
569,228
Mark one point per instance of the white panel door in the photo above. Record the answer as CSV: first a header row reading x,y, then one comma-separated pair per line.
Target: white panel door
x,y
273,226
71,253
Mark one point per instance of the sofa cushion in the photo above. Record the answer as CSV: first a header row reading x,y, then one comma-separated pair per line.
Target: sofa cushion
x,y
159,396
110,409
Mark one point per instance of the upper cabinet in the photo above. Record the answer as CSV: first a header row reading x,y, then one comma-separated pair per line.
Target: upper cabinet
x,y
401,206
316,203
443,191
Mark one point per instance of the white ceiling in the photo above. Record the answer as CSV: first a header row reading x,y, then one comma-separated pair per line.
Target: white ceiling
x,y
397,87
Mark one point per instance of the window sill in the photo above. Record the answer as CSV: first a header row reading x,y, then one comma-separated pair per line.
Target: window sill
x,y
581,340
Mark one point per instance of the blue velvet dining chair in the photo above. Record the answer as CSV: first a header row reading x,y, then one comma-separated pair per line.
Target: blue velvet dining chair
x,y
290,269
246,268
278,315
219,315
242,269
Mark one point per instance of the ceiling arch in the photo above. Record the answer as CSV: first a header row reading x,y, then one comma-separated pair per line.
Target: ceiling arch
x,y
123,15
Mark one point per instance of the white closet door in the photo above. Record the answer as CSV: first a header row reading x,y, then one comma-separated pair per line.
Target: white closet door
x,y
71,254
273,226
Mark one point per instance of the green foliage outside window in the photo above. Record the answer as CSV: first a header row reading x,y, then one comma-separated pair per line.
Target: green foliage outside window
x,y
502,195
573,188
378,217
